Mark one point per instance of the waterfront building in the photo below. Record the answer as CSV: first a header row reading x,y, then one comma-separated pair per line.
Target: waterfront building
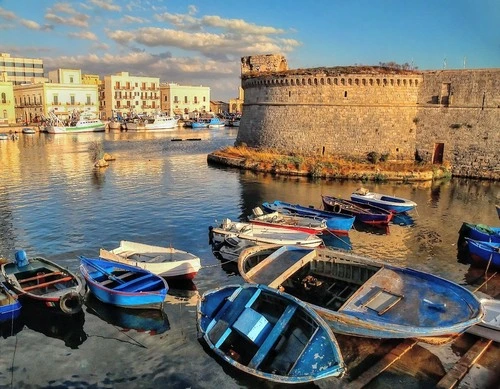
x,y
184,99
236,105
7,113
20,70
125,95
219,107
63,94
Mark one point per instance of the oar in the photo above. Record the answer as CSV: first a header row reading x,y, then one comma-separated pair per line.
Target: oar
x,y
102,270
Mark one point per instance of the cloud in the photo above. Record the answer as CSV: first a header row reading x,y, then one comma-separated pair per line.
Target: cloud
x,y
106,5
132,19
7,15
78,20
64,8
84,35
239,26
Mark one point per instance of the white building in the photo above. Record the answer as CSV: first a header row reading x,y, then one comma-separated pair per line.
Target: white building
x,y
184,100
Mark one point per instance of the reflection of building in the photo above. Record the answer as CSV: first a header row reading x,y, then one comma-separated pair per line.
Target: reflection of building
x,y
21,70
64,94
7,114
236,105
219,106
182,99
122,93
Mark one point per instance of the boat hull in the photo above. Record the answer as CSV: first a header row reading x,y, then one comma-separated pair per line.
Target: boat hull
x,y
484,253
73,130
391,203
364,213
10,307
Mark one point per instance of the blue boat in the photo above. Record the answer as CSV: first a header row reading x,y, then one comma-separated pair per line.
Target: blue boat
x,y
480,232
123,285
10,307
485,253
216,123
363,297
336,222
200,123
390,203
364,213
268,334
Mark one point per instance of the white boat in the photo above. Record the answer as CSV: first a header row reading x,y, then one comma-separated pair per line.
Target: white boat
x,y
158,122
79,122
261,234
166,262
489,327
28,131
4,136
390,203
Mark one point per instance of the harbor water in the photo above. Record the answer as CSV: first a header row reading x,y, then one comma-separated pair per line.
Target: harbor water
x,y
160,190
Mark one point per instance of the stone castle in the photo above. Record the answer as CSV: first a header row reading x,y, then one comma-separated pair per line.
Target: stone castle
x,y
441,116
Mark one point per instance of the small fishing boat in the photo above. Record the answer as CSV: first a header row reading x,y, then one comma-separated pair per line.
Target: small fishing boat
x,y
268,334
200,123
42,282
364,213
216,123
391,203
28,131
261,234
230,249
167,262
480,232
79,122
484,253
10,307
4,136
363,297
123,285
335,222
489,327
311,225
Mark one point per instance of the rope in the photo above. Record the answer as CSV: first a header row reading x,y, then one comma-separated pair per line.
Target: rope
x,y
339,238
489,278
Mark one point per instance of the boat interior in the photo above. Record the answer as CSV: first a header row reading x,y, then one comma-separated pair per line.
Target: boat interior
x,y
128,281
39,279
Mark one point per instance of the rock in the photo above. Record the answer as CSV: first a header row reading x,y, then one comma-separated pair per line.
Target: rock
x,y
108,157
101,163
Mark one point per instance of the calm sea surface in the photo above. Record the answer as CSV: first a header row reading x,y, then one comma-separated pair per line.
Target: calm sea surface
x,y
162,192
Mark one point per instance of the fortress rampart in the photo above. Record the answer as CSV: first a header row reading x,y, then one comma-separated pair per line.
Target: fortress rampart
x,y
438,116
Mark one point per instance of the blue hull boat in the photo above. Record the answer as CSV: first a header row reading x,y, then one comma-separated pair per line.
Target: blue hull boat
x,y
268,334
390,203
485,253
364,213
10,307
123,285
363,297
335,222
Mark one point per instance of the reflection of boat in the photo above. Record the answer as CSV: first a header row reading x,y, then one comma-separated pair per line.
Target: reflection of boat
x,y
402,219
10,307
261,234
340,242
11,327
391,203
364,213
67,328
489,327
268,334
167,262
335,222
153,321
45,283
123,285
363,297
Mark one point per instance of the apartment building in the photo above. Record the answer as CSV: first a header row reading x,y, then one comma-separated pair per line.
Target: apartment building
x,y
182,100
236,105
7,113
21,70
124,94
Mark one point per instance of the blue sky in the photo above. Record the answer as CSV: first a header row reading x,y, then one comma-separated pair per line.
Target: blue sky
x,y
201,42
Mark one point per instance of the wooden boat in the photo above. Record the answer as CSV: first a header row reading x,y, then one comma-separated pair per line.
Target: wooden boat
x,y
123,285
480,232
268,334
484,253
10,307
364,213
489,327
310,225
230,249
390,203
363,297
335,222
261,234
167,262
45,283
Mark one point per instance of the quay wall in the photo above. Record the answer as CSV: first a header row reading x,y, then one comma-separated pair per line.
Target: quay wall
x,y
436,116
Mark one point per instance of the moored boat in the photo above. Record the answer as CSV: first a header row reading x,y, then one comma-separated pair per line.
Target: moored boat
x,y
44,283
10,307
364,213
335,222
484,253
216,123
311,225
231,247
28,131
363,297
167,262
79,122
391,203
489,327
268,334
261,234
123,285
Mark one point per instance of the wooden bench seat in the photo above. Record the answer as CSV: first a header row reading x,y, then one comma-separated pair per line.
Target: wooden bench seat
x,y
44,284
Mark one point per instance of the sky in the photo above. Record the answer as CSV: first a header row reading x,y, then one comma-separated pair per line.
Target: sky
x,y
198,42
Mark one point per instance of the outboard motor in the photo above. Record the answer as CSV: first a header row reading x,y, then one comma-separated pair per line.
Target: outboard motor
x,y
21,258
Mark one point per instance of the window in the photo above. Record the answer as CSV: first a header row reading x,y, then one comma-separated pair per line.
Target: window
x,y
166,98
72,99
176,99
89,100
55,99
185,99
204,99
4,98
71,80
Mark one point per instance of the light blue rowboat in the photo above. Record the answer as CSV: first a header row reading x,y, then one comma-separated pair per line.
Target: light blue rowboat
x,y
123,285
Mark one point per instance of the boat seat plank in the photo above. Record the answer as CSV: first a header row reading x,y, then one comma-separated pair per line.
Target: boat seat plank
x,y
121,277
148,285
65,279
273,336
133,282
292,269
382,301
38,276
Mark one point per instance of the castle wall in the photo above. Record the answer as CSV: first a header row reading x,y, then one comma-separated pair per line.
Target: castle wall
x,y
438,116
